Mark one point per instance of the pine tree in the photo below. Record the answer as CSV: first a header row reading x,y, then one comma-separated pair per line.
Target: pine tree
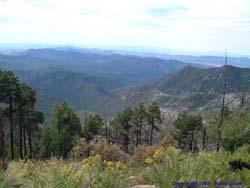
x,y
2,143
8,87
154,117
140,114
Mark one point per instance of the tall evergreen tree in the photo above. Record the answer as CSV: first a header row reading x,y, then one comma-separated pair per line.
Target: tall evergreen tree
x,y
140,113
94,125
27,103
187,126
154,117
8,87
125,120
2,143
68,128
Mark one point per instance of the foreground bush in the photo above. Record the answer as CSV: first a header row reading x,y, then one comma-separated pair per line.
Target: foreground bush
x,y
168,140
110,152
142,152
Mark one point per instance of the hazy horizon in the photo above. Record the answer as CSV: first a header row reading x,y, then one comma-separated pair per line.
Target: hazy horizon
x,y
177,26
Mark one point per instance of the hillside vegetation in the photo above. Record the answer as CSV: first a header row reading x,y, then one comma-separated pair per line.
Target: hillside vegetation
x,y
166,168
193,79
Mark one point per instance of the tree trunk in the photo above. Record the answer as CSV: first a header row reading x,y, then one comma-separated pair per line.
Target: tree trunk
x,y
223,103
106,127
192,141
140,131
20,132
65,151
30,139
109,136
11,130
24,139
151,134
137,135
117,137
2,144
242,100
146,137
204,138
126,143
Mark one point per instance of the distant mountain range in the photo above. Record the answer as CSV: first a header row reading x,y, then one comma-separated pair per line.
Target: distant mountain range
x,y
208,60
213,59
83,78
109,81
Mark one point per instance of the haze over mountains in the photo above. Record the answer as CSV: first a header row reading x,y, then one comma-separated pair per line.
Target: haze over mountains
x,y
96,79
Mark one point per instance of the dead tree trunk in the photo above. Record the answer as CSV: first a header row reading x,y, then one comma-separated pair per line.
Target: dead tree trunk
x,y
243,96
223,103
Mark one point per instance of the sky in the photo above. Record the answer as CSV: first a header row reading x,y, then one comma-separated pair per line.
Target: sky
x,y
180,25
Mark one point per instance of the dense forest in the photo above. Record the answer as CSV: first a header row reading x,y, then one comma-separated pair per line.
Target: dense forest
x,y
133,147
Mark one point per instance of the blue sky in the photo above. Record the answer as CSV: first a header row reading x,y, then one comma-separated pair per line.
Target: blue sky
x,y
182,25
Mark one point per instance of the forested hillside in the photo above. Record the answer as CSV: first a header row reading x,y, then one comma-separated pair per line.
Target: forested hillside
x,y
192,79
195,89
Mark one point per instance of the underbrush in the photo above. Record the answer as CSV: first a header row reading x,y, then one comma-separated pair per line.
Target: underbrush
x,y
161,169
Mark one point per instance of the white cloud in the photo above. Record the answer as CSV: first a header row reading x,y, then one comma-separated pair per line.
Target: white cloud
x,y
197,25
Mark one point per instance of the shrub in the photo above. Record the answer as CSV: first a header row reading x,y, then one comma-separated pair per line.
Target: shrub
x,y
236,132
168,140
142,152
80,149
98,146
109,152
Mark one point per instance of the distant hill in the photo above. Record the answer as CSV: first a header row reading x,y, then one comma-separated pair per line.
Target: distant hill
x,y
194,88
192,79
77,89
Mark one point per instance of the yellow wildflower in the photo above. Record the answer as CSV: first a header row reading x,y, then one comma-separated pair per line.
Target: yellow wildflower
x,y
92,160
120,165
109,164
149,160
22,173
158,152
66,169
42,174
